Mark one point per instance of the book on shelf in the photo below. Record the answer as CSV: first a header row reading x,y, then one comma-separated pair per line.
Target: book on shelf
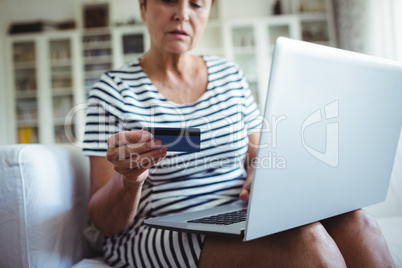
x,y
25,135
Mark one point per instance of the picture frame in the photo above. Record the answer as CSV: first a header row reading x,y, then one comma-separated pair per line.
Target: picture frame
x,y
96,16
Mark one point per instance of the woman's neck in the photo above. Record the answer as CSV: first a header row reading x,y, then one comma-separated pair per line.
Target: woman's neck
x,y
166,64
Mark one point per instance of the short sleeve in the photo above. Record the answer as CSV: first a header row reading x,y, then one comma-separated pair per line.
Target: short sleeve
x,y
251,113
104,116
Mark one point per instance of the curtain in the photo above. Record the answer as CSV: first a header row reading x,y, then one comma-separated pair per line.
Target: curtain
x,y
372,27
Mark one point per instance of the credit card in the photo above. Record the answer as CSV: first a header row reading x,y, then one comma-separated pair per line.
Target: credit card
x,y
178,139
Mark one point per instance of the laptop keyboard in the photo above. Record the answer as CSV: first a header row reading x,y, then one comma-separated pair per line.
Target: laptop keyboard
x,y
224,218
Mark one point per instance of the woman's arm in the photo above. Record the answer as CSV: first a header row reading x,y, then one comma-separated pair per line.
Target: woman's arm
x,y
249,164
116,181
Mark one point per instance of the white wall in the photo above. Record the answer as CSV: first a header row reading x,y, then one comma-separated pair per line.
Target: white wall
x,y
25,10
123,10
59,10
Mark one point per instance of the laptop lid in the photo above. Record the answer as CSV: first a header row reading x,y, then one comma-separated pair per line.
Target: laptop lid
x,y
332,124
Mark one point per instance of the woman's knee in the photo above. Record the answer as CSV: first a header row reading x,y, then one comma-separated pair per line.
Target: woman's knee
x,y
360,220
313,234
319,247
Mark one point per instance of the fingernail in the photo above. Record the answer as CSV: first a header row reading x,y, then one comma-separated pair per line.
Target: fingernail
x,y
158,142
163,149
146,136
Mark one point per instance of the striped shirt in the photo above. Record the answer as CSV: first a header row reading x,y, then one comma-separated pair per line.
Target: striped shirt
x,y
226,114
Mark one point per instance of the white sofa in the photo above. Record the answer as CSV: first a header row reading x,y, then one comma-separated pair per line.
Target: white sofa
x,y
43,208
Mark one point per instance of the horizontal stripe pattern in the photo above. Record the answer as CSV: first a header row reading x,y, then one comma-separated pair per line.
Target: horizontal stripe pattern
x,y
126,100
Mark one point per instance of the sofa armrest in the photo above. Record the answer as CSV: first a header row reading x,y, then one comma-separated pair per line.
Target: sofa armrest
x,y
43,207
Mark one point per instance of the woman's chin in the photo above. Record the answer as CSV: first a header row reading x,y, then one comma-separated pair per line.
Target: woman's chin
x,y
178,49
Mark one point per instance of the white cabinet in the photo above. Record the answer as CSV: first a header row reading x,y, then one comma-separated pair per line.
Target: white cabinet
x,y
44,84
250,41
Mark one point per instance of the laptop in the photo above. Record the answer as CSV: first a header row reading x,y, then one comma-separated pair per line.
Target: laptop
x,y
332,124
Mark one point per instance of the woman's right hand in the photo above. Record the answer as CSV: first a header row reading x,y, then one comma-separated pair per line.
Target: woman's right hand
x,y
132,153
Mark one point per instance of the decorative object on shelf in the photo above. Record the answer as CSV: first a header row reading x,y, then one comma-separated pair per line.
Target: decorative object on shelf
x,y
314,32
302,8
243,37
312,6
31,27
96,16
40,26
131,21
66,25
277,8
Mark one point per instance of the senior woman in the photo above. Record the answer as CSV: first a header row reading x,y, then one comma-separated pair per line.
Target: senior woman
x,y
133,177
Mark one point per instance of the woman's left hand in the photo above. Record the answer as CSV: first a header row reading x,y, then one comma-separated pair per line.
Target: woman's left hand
x,y
245,191
249,165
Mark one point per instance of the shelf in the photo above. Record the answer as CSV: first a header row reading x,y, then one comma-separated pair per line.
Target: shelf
x,y
61,63
97,45
128,58
89,32
27,123
30,94
24,65
307,17
133,55
61,73
60,92
96,60
89,75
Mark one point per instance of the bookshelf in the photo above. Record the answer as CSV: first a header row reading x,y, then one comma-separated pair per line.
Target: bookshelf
x,y
97,54
45,82
24,72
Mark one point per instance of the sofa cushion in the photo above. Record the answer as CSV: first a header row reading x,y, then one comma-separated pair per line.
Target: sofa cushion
x,y
44,192
91,263
392,231
392,207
